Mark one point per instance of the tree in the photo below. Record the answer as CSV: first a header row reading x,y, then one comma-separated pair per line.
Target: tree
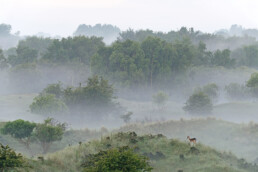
x,y
198,103
160,99
77,49
47,105
20,130
120,160
211,90
23,55
49,132
55,89
97,96
108,32
252,83
222,58
9,159
36,43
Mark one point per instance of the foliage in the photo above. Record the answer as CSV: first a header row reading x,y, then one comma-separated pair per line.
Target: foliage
x,y
36,43
120,159
107,31
47,105
23,55
198,103
153,61
9,159
157,148
49,132
160,98
222,58
96,95
252,83
21,130
79,49
212,90
55,89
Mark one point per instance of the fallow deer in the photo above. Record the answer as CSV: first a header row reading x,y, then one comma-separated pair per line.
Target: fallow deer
x,y
192,140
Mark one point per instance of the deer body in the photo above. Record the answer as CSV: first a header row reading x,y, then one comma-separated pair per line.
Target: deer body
x,y
192,140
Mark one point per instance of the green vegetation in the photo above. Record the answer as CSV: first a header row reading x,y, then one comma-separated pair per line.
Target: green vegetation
x,y
48,132
164,154
106,31
121,159
47,105
96,96
77,49
252,83
9,159
20,130
198,103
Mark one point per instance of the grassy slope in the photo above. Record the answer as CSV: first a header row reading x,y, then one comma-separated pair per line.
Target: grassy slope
x,y
208,159
240,139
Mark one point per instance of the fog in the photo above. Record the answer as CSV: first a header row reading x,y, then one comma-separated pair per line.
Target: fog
x,y
95,68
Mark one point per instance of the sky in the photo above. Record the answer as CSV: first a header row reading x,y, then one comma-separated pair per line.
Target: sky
x,y
62,17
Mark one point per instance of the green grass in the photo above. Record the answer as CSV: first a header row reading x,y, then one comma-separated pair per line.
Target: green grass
x,y
207,160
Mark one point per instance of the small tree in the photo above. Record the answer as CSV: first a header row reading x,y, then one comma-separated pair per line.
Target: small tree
x,y
20,130
119,160
47,105
198,103
96,96
252,83
49,132
160,99
9,160
211,90
55,89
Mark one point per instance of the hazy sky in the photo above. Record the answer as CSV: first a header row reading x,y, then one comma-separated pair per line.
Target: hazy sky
x,y
61,17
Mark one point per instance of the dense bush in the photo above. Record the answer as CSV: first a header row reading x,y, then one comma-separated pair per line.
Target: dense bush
x,y
252,83
198,103
9,159
20,130
118,159
47,105
212,90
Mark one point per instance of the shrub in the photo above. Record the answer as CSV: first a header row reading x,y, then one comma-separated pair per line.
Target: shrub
x,y
252,83
47,105
9,159
20,130
120,160
198,103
